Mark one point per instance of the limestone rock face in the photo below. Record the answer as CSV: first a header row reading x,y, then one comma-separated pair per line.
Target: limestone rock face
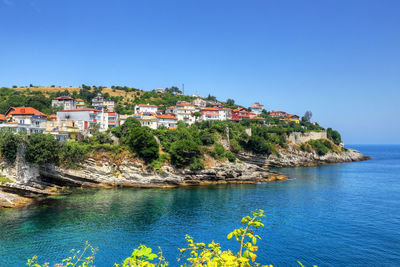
x,y
293,158
99,174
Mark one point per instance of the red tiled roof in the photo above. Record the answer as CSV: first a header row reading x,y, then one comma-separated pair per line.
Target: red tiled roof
x,y
2,117
277,111
110,113
163,116
53,117
24,110
79,100
255,107
111,121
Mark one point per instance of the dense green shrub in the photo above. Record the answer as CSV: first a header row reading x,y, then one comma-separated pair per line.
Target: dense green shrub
x,y
219,151
207,138
184,152
42,148
229,155
122,131
141,141
319,146
72,153
9,143
196,164
334,136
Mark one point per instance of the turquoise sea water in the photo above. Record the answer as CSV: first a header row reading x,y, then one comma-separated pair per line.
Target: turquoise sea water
x,y
334,215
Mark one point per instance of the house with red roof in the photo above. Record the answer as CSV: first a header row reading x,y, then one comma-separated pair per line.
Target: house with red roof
x,y
209,114
64,102
240,113
25,119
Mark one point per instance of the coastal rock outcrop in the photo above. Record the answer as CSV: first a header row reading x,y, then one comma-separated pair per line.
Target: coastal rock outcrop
x,y
295,158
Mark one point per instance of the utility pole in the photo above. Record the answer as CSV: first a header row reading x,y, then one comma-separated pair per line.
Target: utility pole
x,y
183,88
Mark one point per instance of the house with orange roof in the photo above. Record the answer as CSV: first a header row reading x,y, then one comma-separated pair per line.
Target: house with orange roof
x,y
277,113
64,102
2,118
257,108
291,118
25,119
80,103
140,108
168,121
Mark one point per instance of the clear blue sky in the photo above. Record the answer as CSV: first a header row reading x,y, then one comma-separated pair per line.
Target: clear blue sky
x,y
338,58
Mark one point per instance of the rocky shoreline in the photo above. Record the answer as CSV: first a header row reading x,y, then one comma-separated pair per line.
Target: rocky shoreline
x,y
33,182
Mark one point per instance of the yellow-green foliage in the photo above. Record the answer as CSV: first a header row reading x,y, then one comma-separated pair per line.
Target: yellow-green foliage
x,y
5,180
196,254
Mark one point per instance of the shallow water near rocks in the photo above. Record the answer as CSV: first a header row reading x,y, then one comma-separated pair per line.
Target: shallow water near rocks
x,y
333,215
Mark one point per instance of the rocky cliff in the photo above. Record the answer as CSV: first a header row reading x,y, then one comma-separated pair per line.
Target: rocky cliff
x,y
50,179
293,158
30,182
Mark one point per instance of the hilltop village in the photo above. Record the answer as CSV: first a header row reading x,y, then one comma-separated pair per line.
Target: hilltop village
x,y
74,116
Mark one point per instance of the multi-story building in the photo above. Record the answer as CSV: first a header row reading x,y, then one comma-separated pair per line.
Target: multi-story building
x,y
65,130
257,108
199,103
225,114
209,113
64,102
239,114
79,103
25,119
91,117
99,102
184,112
167,121
140,108
148,119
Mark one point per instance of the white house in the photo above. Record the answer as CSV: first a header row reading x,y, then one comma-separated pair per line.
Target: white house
x,y
167,121
64,102
25,119
140,108
184,112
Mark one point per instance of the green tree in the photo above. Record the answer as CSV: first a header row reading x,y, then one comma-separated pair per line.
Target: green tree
x,y
230,102
9,143
334,136
42,148
141,141
184,152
